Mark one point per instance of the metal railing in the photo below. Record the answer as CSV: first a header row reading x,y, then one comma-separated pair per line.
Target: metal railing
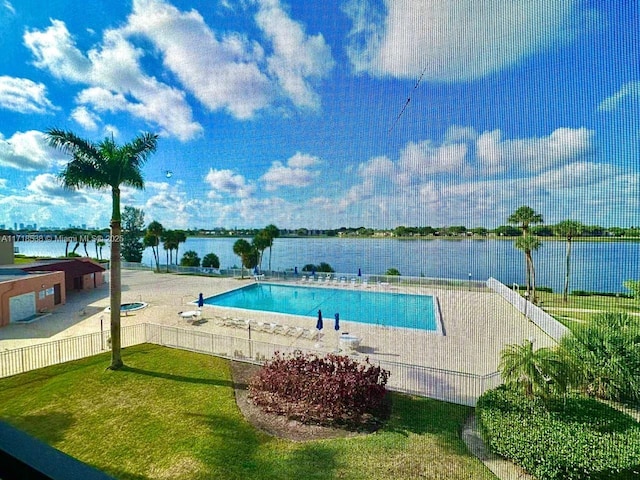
x,y
542,319
451,386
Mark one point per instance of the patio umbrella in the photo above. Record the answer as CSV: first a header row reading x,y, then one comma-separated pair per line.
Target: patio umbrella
x,y
295,270
200,301
359,272
337,325
319,325
313,272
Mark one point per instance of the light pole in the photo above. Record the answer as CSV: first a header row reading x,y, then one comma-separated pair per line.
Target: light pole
x,y
469,281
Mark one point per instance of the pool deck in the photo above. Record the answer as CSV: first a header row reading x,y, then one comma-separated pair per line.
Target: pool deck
x,y
477,324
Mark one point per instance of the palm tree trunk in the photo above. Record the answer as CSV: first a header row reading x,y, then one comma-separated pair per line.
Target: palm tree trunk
x,y
115,287
533,279
565,294
528,273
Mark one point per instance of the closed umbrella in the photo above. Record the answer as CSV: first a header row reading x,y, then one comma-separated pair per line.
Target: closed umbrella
x,y
295,270
359,272
337,325
200,301
319,324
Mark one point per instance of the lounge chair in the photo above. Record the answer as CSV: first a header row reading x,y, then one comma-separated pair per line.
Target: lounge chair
x,y
295,332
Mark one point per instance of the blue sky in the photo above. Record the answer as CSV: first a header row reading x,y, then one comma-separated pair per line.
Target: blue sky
x,y
282,112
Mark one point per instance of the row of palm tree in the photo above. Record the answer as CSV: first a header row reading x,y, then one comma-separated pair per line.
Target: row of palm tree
x,y
171,240
251,254
601,359
524,217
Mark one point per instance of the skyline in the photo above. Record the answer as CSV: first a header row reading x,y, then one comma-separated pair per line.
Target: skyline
x,y
347,113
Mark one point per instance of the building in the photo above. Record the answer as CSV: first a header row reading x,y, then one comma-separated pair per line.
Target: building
x,y
29,290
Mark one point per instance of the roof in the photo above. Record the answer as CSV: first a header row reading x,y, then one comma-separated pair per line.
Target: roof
x,y
73,267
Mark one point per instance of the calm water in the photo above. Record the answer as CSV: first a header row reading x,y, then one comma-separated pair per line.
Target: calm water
x,y
597,266
356,305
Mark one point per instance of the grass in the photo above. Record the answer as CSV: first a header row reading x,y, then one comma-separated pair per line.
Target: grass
x,y
171,414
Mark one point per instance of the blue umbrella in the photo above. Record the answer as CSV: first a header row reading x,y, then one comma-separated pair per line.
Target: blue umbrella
x,y
359,272
313,272
319,325
337,325
255,270
200,301
295,270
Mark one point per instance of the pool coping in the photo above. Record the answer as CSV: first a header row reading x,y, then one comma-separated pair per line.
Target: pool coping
x,y
439,330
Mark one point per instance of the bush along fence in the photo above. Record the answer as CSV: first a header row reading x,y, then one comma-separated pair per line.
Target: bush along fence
x,y
542,319
450,386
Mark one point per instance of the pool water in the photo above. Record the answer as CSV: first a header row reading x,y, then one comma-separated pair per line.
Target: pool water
x,y
356,305
129,307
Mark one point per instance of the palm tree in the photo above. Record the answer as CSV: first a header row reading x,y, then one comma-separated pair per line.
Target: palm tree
x,y
152,239
529,243
537,372
606,356
248,254
180,237
272,232
261,242
106,165
524,217
568,229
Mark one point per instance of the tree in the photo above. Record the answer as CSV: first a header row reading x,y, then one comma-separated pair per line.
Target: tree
x,y
535,372
392,272
272,232
170,242
69,236
261,242
106,165
98,238
524,217
211,260
605,354
568,229
528,244
152,239
248,254
190,259
132,232
180,237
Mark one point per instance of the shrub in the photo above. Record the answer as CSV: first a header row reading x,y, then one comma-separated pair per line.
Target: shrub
x,y
329,390
392,271
579,439
211,260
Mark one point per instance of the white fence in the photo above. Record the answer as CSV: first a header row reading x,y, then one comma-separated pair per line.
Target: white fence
x,y
450,386
546,322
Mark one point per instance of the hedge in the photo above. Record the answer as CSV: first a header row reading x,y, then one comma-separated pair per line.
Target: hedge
x,y
582,439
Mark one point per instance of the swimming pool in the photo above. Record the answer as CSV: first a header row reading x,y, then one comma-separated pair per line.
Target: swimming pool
x,y
355,305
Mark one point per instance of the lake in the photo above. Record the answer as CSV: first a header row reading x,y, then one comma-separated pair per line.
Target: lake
x,y
596,266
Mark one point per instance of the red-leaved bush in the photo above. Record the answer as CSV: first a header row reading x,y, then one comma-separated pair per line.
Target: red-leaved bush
x,y
334,389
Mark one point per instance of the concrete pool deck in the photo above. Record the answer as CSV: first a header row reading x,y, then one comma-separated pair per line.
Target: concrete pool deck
x,y
477,324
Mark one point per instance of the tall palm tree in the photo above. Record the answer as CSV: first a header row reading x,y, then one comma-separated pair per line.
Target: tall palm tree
x,y
272,233
152,239
529,243
568,229
525,216
106,165
536,372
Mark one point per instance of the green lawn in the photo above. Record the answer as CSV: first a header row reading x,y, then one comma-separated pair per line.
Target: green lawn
x,y
171,414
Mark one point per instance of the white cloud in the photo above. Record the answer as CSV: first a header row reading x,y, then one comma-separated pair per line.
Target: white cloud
x,y
536,153
296,57
47,185
451,40
220,72
227,182
24,96
87,119
114,69
630,90
27,151
294,174
422,159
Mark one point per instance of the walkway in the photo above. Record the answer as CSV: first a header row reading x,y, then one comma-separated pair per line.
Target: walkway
x,y
501,468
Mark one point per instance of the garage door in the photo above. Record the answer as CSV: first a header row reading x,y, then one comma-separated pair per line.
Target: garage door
x,y
22,307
